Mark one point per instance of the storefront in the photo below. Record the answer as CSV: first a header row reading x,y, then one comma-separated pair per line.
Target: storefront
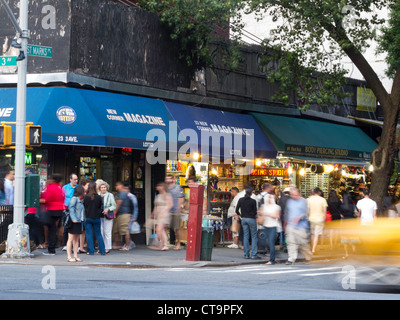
x,y
219,148
97,135
317,154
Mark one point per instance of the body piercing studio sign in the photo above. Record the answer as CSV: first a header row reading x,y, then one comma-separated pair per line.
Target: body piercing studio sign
x,y
330,152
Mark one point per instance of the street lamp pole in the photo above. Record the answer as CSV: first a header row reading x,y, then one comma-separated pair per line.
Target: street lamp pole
x,y
18,244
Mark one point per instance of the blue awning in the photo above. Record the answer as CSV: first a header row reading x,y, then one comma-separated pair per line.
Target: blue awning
x,y
221,134
72,116
90,118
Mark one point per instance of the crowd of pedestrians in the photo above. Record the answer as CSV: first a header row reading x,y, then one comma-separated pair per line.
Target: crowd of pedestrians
x,y
84,213
299,222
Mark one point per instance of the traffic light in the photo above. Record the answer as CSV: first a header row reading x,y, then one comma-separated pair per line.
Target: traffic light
x,y
33,136
5,136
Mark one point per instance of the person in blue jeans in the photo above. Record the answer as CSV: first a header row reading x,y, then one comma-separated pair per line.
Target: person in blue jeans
x,y
272,213
93,204
247,209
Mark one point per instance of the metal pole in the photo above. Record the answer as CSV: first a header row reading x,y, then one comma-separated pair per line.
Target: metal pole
x,y
18,245
11,15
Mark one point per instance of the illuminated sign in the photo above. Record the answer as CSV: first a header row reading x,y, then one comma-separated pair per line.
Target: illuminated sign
x,y
28,158
270,172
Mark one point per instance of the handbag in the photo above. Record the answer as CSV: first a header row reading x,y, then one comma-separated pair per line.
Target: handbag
x,y
109,215
43,215
235,228
260,219
68,221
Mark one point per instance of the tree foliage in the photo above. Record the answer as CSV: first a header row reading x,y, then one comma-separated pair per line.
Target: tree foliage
x,y
306,47
194,24
390,41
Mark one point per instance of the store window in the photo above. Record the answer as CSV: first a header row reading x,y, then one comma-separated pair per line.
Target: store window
x,y
88,168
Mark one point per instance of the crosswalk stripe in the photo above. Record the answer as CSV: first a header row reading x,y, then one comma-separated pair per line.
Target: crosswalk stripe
x,y
298,270
322,273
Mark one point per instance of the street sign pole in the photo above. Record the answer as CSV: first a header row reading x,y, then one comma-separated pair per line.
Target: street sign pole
x,y
18,245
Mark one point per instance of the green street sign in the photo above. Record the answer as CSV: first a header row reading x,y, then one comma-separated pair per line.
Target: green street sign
x,y
40,51
8,61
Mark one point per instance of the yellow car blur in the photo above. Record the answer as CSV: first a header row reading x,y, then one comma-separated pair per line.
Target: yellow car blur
x,y
375,243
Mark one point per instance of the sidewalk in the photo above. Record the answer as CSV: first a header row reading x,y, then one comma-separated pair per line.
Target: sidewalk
x,y
143,257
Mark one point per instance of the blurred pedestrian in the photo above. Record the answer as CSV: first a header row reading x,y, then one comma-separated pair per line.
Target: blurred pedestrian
x,y
75,220
247,209
109,206
282,203
93,204
53,198
233,220
297,227
3,200
121,221
348,212
178,198
367,208
316,215
9,187
272,213
334,208
134,212
162,214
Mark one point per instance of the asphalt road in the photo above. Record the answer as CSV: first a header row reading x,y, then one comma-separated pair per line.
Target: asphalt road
x,y
238,283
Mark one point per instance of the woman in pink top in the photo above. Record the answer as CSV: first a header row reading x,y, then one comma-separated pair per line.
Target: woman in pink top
x,y
53,198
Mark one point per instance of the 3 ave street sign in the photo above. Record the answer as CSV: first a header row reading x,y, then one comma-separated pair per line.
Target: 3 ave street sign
x,y
8,61
40,51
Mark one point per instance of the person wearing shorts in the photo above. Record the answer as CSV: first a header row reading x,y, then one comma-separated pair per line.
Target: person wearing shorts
x,y
121,222
317,206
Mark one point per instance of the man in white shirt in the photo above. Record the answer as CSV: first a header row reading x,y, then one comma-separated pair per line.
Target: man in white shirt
x,y
316,215
367,208
231,215
9,187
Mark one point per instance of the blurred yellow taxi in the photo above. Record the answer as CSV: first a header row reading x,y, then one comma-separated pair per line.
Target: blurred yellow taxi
x,y
375,243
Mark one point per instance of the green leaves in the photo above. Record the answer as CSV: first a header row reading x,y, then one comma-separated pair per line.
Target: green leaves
x,y
194,24
306,46
389,41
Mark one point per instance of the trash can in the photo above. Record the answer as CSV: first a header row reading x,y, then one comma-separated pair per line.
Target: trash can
x,y
207,243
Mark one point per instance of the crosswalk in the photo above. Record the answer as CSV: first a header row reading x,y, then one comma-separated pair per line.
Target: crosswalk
x,y
301,270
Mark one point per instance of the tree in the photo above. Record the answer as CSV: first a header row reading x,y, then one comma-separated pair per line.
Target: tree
x,y
311,35
318,34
